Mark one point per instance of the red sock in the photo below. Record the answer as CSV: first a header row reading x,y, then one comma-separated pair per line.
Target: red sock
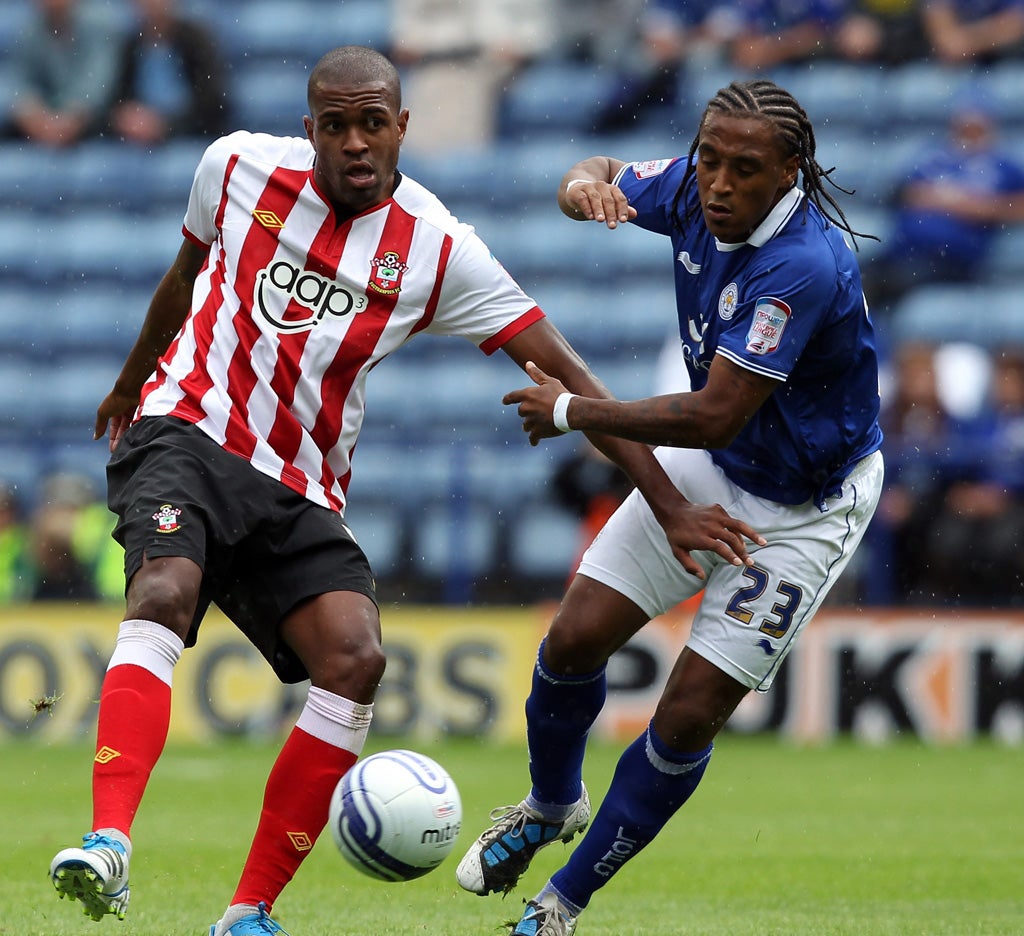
x,y
295,808
135,711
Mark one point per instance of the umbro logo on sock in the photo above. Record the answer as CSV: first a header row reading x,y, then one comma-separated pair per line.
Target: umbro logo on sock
x,y
105,755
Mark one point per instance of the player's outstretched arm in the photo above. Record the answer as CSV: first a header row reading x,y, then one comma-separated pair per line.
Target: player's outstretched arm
x,y
167,312
541,350
586,192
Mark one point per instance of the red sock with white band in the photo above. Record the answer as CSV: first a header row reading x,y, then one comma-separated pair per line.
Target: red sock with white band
x,y
325,742
135,712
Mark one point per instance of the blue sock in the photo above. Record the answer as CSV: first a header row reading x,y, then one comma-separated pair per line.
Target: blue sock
x,y
559,713
651,782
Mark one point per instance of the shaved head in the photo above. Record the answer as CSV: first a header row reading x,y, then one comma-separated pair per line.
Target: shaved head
x,y
354,65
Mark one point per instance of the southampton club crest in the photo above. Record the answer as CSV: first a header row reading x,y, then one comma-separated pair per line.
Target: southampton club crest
x,y
167,519
386,273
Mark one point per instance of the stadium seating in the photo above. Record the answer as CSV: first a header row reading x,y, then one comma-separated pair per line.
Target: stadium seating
x,y
455,542
94,321
544,537
1005,264
379,527
445,488
984,315
300,30
270,96
554,96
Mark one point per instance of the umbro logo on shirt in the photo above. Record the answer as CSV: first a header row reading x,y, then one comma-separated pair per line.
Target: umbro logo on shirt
x,y
268,219
688,264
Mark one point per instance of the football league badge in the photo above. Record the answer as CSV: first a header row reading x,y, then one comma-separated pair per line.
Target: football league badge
x,y
770,317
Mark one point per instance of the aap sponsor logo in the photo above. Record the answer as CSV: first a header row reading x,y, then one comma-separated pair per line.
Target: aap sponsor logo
x,y
295,300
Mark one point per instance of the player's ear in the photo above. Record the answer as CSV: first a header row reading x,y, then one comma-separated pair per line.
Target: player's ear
x,y
403,124
791,170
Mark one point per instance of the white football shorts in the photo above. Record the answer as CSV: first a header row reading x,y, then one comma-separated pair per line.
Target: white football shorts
x,y
749,617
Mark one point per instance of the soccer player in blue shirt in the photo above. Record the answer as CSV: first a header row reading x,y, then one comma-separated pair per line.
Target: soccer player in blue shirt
x,y
780,427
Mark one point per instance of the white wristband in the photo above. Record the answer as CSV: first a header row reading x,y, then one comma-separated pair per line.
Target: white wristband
x,y
559,415
570,184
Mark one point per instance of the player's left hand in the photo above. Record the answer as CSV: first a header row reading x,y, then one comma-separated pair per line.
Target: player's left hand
x,y
600,201
693,527
536,404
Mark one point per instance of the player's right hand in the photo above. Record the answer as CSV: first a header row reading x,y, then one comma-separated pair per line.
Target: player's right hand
x,y
600,201
116,410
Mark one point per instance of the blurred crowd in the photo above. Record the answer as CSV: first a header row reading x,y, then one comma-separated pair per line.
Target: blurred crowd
x,y
58,549
81,70
951,523
146,70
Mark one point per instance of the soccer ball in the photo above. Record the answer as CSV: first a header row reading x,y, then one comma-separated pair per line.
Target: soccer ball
x,y
395,815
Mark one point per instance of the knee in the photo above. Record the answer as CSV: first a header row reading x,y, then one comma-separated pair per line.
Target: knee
x,y
572,648
684,727
160,594
352,668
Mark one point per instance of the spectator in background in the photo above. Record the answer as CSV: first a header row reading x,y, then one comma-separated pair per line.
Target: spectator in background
x,y
95,548
602,32
171,80
980,31
782,32
64,72
918,429
458,58
957,195
669,31
59,573
974,546
14,575
886,32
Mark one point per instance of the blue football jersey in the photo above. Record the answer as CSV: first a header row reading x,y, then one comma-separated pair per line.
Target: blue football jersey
x,y
787,303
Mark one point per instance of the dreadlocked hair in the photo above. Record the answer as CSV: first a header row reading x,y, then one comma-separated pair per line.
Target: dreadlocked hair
x,y
763,98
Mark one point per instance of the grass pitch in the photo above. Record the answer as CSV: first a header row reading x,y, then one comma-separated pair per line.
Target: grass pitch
x,y
838,840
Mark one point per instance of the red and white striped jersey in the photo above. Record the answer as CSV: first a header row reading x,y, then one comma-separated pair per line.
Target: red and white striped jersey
x,y
292,309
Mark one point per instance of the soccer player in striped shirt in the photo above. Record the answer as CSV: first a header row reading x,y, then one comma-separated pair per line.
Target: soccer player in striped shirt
x,y
305,262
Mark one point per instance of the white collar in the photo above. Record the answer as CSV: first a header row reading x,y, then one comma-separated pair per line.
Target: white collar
x,y
771,225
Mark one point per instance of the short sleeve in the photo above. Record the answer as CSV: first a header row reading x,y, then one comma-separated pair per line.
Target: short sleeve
x,y
781,311
651,186
479,300
200,222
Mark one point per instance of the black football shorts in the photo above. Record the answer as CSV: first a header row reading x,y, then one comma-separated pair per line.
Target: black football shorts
x,y
263,548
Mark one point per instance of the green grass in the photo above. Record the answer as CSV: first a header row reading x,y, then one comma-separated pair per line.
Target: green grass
x,y
826,841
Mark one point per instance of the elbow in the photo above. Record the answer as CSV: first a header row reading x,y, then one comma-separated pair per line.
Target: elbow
x,y
719,431
718,439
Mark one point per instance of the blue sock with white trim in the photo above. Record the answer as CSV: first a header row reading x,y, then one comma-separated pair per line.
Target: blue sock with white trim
x,y
650,783
559,713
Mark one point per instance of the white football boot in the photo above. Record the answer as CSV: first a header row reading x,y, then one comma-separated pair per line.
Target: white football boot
x,y
96,874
